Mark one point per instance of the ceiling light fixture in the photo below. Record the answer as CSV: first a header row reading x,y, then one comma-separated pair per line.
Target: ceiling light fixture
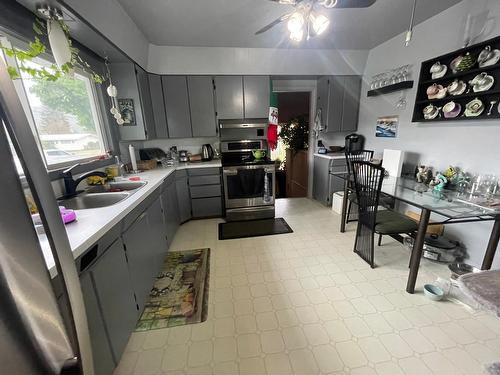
x,y
304,19
409,33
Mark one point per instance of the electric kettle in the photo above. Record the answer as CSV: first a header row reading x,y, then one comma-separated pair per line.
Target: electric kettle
x,y
207,152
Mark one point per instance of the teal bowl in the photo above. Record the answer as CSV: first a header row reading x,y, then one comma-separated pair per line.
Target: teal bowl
x,y
433,292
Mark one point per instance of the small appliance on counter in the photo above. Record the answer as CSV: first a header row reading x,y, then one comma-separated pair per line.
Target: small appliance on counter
x,y
354,142
207,152
183,156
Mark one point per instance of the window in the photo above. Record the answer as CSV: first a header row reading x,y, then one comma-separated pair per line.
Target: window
x,y
64,116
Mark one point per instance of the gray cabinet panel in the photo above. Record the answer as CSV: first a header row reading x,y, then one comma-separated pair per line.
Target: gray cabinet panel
x,y
202,106
321,180
183,198
352,87
158,235
335,104
146,104
204,180
124,78
206,207
205,191
103,359
203,172
175,93
158,102
141,258
322,102
115,296
256,96
170,210
229,97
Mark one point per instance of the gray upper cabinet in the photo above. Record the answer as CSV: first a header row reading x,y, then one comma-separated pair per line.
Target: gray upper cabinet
x,y
202,106
115,295
229,97
352,92
124,78
175,93
256,96
146,104
158,104
338,97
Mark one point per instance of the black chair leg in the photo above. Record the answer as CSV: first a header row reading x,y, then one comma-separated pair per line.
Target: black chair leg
x,y
380,240
348,212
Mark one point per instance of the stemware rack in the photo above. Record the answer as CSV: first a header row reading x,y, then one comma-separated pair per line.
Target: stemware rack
x,y
491,95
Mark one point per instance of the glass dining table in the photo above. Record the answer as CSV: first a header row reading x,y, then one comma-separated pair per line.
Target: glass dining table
x,y
449,207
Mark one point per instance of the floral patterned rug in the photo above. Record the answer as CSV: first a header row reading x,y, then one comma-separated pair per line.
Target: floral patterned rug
x,y
180,292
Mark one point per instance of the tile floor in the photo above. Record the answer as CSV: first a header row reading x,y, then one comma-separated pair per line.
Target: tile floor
x,y
305,304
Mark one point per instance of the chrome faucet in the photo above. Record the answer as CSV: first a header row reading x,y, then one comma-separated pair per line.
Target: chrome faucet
x,y
70,184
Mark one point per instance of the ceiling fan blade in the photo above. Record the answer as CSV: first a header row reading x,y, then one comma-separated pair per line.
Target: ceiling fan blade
x,y
353,3
274,23
286,2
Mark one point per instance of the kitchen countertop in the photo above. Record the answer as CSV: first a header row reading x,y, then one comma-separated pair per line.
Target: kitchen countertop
x,y
92,224
330,155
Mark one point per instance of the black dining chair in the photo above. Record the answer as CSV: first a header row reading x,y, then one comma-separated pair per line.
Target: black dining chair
x,y
368,180
359,155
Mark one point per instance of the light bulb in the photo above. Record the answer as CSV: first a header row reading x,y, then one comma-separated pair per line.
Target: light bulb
x,y
296,22
319,23
297,36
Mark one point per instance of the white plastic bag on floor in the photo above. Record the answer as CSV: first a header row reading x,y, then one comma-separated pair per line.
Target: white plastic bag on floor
x,y
454,293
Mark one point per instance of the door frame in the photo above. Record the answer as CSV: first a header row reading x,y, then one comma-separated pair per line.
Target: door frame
x,y
303,85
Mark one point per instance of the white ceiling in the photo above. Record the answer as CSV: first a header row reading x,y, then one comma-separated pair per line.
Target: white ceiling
x,y
232,23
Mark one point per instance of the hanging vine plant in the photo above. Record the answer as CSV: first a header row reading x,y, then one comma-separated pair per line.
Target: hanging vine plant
x,y
66,56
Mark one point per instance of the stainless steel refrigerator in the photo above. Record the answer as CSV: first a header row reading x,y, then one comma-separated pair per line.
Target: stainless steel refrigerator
x,y
38,335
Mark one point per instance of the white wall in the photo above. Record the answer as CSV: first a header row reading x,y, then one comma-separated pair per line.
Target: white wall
x,y
221,60
472,145
110,19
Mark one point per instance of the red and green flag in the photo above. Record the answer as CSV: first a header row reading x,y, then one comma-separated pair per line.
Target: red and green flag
x,y
272,129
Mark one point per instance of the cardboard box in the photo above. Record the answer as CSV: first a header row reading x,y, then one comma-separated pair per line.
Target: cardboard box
x,y
431,229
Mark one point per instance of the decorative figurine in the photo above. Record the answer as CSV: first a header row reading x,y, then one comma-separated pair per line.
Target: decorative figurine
x,y
451,173
423,174
439,182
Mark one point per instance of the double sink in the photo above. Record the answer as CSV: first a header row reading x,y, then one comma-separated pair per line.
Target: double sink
x,y
102,195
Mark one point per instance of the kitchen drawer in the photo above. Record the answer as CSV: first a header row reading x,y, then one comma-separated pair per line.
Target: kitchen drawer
x,y
206,207
338,162
203,171
204,180
169,180
136,212
338,169
205,191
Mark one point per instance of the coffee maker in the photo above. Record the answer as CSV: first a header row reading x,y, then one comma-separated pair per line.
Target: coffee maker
x,y
354,142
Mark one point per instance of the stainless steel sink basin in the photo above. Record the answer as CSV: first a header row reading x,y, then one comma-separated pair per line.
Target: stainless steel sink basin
x,y
117,186
95,200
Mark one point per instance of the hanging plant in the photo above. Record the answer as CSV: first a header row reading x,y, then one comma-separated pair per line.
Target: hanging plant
x,y
66,56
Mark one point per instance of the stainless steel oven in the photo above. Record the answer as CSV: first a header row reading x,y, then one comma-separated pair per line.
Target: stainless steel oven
x,y
249,191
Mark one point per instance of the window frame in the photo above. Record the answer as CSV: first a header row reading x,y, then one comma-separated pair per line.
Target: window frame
x,y
95,104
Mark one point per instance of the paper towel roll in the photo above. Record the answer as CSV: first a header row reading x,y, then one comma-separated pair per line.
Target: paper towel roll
x,y
133,161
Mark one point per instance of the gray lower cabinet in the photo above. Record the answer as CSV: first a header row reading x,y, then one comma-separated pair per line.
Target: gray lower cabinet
x,y
183,198
229,97
170,207
158,104
101,351
324,184
142,255
175,94
202,106
157,227
205,190
109,280
256,96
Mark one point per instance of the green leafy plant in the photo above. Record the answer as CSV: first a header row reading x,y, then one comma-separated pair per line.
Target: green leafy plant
x,y
36,48
295,134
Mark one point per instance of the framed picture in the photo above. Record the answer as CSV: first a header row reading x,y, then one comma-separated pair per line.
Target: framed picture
x,y
126,108
387,127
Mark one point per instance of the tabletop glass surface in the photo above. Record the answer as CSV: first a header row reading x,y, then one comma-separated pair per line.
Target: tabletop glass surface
x,y
447,203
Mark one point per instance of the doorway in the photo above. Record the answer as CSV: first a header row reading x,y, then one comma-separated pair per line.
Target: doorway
x,y
293,172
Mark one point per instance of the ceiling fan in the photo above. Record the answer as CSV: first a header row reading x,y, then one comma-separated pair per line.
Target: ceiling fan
x,y
305,19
